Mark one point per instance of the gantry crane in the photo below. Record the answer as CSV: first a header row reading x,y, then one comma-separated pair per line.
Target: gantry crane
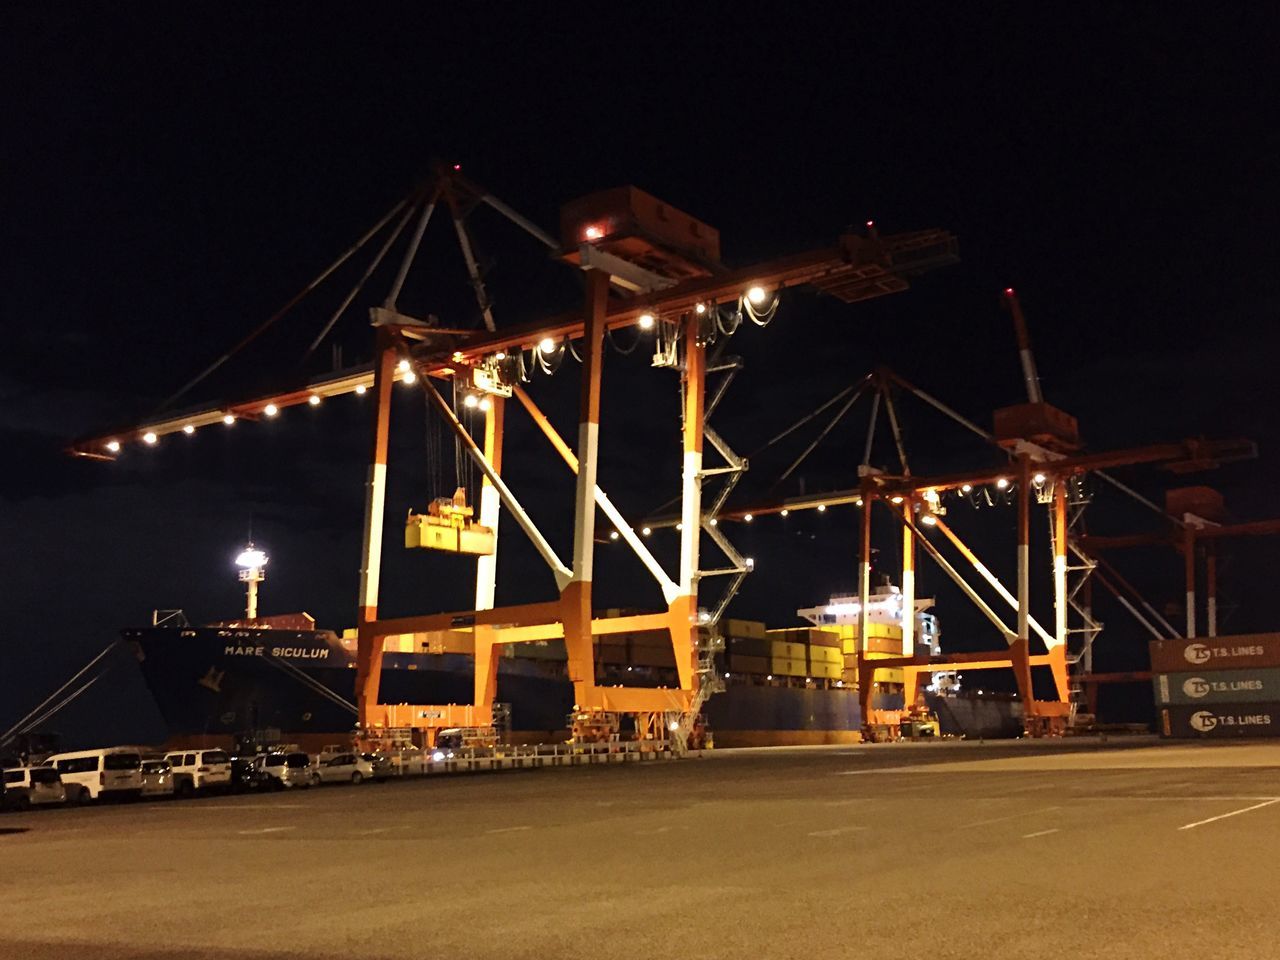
x,y
645,264
1046,465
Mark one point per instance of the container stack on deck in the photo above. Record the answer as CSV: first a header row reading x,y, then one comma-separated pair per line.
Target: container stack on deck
x,y
808,656
1218,687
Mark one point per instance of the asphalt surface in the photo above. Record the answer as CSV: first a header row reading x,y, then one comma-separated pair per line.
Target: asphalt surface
x,y
1119,850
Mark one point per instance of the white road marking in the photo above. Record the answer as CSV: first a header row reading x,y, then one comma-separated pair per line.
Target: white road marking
x,y
1181,799
249,833
834,833
1039,833
1233,813
1012,816
1036,786
649,833
508,829
246,806
855,773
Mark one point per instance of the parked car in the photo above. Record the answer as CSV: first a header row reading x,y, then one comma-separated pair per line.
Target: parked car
x,y
26,787
382,765
199,770
281,770
111,772
342,768
245,775
157,778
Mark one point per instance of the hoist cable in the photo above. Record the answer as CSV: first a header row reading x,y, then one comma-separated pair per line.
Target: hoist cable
x,y
293,302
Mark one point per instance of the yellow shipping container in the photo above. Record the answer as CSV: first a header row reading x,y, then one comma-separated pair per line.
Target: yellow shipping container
x,y
785,649
750,629
890,675
825,655
788,667
847,631
825,671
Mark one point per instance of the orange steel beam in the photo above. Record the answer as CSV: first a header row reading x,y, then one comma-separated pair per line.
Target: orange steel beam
x,y
543,424
1191,451
526,614
1254,528
1129,676
985,660
854,256
823,264
669,588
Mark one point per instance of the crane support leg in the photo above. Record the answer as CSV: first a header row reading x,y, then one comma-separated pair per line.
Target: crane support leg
x,y
575,598
486,669
1020,648
908,592
1211,590
865,672
1189,559
684,609
369,645
1059,649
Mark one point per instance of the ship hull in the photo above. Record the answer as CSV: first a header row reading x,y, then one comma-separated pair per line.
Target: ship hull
x,y
213,685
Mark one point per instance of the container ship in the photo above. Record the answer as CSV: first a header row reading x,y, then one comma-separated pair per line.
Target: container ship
x,y
279,677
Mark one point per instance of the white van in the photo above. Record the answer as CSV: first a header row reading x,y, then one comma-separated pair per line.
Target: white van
x,y
94,774
199,770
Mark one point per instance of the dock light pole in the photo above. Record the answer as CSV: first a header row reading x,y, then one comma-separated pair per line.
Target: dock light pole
x,y
251,562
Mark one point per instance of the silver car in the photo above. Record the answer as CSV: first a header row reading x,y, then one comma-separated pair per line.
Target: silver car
x,y
281,770
26,787
342,768
157,778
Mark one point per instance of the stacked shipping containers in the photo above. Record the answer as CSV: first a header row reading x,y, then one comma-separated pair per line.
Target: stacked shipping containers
x,y
1218,687
802,652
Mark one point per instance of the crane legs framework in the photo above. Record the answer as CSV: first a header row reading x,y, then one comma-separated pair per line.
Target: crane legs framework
x,y
570,615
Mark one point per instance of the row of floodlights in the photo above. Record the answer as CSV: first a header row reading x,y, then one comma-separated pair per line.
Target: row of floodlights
x,y
151,438
548,345
757,295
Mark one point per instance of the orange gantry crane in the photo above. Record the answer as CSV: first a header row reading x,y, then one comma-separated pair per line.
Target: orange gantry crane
x,y
1043,447
645,265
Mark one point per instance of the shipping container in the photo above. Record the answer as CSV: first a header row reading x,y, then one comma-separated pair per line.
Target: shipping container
x,y
543,650
742,663
650,656
818,654
1220,720
825,671
747,629
785,649
891,646
749,646
1218,686
788,667
611,653
1243,652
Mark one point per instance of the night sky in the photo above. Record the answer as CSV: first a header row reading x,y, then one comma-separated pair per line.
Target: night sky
x,y
169,181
